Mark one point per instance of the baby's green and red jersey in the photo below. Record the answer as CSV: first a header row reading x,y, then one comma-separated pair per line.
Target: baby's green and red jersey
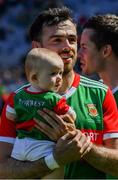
x,y
97,117
24,104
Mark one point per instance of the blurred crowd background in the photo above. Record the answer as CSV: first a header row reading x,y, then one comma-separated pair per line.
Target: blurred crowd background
x,y
15,19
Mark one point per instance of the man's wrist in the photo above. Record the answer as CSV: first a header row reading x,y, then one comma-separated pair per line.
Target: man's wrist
x,y
90,151
87,150
51,162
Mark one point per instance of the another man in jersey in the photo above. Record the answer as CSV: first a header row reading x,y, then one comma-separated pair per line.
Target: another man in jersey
x,y
98,51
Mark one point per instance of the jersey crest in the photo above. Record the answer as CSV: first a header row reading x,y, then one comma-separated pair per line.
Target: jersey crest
x,y
92,110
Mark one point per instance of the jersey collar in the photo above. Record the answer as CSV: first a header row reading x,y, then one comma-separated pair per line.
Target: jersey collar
x,y
73,88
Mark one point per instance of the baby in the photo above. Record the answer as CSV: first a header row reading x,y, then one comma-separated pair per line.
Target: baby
x,y
44,70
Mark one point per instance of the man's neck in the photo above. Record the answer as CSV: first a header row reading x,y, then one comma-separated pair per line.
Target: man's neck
x,y
68,79
110,75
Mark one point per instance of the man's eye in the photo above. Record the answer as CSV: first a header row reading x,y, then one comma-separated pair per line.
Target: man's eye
x,y
57,40
72,40
83,47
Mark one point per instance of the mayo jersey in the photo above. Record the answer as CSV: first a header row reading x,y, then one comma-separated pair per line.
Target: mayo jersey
x,y
90,99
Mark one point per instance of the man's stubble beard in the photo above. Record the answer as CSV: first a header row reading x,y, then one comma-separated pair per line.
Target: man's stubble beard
x,y
67,70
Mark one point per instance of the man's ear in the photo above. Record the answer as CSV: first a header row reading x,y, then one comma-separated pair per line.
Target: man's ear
x,y
36,44
107,50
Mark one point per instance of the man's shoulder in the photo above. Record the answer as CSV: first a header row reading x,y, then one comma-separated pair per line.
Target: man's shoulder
x,y
86,82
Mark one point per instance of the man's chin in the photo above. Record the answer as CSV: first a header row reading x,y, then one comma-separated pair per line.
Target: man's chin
x,y
67,70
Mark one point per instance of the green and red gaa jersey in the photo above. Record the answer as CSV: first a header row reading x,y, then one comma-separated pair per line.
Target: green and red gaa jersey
x,y
92,102
24,104
97,117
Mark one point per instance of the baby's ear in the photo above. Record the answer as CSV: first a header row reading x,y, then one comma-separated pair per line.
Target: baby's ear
x,y
33,78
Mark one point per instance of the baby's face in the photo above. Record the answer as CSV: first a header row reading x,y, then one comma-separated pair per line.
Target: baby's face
x,y
50,78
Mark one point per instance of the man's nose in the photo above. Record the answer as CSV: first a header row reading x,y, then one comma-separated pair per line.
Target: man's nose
x,y
66,44
79,53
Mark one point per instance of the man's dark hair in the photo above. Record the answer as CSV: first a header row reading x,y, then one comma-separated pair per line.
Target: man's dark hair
x,y
106,30
49,17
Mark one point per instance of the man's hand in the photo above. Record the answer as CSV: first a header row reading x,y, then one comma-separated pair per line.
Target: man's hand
x,y
72,144
71,147
58,125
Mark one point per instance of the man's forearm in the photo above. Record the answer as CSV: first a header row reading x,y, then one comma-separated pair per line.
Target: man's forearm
x,y
11,168
103,159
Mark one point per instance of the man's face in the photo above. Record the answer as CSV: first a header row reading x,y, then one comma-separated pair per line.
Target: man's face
x,y
62,38
91,59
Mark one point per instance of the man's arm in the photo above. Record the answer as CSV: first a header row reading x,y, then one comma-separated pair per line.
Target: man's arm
x,y
103,158
11,168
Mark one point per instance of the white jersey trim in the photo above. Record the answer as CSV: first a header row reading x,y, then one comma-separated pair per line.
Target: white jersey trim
x,y
69,92
7,139
10,110
110,136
